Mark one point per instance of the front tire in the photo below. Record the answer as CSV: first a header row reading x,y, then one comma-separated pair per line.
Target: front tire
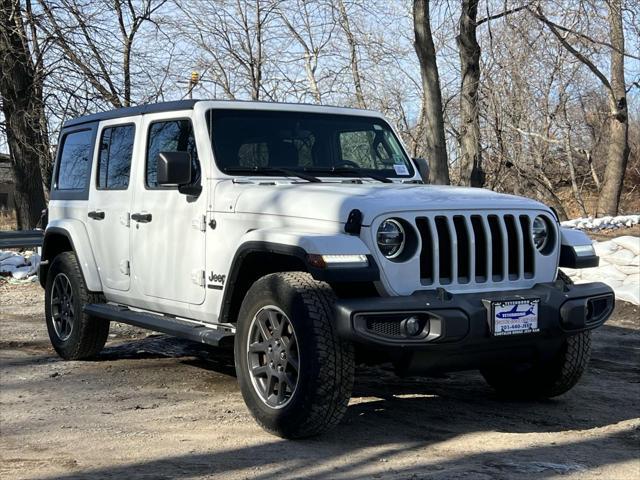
x,y
294,372
547,379
73,334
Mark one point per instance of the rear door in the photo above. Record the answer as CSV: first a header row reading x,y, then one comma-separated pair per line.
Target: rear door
x,y
110,198
168,227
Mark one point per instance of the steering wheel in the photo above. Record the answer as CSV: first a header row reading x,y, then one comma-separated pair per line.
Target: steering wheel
x,y
347,163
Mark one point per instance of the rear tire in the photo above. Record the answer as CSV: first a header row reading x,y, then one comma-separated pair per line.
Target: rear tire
x,y
73,334
286,322
544,380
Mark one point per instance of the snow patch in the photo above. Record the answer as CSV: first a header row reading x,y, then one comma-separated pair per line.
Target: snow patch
x,y
20,266
619,268
602,223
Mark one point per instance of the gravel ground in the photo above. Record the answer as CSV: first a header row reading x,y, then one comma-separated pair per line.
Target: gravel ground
x,y
152,407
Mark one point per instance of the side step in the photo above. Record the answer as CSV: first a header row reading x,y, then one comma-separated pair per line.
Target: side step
x,y
158,323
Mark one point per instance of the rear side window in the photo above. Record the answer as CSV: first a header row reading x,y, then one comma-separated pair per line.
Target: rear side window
x,y
171,136
114,163
75,160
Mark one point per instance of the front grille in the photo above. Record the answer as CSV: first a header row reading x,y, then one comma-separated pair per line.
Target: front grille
x,y
474,248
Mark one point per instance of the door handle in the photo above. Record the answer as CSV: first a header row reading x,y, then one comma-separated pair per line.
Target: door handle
x,y
141,217
96,215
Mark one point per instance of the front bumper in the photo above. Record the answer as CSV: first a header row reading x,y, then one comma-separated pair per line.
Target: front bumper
x,y
457,331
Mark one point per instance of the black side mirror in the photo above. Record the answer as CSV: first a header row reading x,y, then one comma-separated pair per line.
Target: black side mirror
x,y
174,170
423,168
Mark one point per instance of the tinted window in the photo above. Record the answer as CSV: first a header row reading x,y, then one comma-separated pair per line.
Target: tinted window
x,y
173,136
75,161
114,164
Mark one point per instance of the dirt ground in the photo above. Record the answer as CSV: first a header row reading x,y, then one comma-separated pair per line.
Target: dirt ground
x,y
152,407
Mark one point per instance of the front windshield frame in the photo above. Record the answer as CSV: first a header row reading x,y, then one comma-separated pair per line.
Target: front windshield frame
x,y
399,167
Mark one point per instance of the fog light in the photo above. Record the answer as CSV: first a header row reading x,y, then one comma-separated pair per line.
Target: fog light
x,y
412,326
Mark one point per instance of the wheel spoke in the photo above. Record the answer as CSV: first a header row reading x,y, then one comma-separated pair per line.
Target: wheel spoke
x,y
288,381
293,362
276,323
258,347
271,384
264,330
260,371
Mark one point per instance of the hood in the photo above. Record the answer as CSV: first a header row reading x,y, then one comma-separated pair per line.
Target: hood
x,y
334,201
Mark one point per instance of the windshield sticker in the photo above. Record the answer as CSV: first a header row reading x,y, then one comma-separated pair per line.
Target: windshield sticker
x,y
401,169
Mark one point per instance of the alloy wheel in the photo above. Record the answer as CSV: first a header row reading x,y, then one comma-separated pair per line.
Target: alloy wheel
x,y
273,357
62,308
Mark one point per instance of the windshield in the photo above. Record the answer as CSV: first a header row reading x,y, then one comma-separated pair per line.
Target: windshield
x,y
247,141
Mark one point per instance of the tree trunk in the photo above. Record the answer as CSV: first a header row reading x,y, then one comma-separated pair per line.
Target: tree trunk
x,y
618,151
21,106
353,52
432,97
471,172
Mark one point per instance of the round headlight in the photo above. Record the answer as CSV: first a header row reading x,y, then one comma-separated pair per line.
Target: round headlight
x,y
391,238
540,232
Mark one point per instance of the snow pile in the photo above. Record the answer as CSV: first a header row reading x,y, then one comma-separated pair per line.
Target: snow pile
x,y
19,266
619,267
590,223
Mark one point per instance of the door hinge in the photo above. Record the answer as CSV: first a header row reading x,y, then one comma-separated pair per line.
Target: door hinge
x,y
200,223
125,267
125,219
198,277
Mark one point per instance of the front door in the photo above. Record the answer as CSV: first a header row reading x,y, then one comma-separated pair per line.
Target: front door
x,y
167,226
109,202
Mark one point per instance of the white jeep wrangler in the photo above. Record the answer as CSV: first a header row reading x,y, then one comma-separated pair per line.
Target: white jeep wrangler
x,y
305,236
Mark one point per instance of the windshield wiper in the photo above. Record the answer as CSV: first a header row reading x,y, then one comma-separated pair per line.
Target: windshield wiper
x,y
351,172
272,171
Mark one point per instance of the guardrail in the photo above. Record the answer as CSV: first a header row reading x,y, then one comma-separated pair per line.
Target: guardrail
x,y
21,239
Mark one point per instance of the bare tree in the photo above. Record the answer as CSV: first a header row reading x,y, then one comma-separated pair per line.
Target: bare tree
x,y
618,152
230,40
435,139
345,24
471,172
87,40
22,108
312,29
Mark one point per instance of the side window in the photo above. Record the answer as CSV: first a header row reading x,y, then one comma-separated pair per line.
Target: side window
x,y
171,136
114,163
75,161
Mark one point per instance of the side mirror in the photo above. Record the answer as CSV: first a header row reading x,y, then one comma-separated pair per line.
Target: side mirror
x,y
174,169
423,168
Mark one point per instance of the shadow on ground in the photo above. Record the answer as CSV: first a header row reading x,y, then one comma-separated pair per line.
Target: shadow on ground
x,y
398,416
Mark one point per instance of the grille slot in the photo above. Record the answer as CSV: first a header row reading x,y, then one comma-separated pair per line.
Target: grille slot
x,y
463,249
428,252
482,259
525,228
513,247
447,253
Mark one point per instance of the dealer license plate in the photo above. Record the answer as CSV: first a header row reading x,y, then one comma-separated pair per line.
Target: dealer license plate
x,y
514,317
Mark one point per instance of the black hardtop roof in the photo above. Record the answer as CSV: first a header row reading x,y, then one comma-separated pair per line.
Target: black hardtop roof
x,y
129,111
163,107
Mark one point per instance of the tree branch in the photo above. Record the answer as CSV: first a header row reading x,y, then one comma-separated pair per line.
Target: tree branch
x,y
588,63
502,14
